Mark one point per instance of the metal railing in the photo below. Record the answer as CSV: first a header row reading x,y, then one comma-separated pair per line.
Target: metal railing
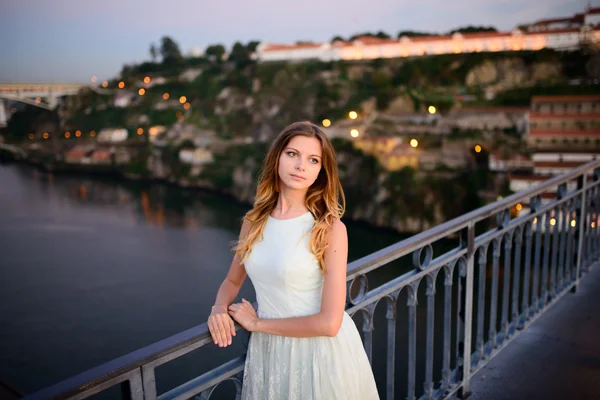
x,y
495,284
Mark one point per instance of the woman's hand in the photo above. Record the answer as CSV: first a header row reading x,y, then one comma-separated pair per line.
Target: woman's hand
x,y
244,314
221,326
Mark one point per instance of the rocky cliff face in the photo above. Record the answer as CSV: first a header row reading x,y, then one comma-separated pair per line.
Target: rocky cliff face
x,y
510,73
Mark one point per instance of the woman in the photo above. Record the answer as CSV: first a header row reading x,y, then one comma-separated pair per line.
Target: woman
x,y
294,248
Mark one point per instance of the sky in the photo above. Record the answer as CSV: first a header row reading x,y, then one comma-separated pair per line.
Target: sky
x,y
69,41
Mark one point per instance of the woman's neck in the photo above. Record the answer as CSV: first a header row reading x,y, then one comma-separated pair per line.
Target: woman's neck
x,y
290,203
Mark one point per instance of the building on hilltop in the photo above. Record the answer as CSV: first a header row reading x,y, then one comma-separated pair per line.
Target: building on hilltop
x,y
558,34
563,122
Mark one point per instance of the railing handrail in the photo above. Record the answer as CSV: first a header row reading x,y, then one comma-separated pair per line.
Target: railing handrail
x,y
200,334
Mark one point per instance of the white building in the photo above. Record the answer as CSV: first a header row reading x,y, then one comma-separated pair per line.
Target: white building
x,y
560,34
112,135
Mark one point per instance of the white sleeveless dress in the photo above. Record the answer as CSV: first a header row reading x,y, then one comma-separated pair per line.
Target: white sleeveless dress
x,y
288,283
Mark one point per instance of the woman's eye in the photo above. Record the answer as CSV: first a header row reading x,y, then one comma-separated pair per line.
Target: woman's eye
x,y
314,161
291,153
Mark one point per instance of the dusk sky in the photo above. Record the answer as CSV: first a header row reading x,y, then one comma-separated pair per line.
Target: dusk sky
x,y
64,41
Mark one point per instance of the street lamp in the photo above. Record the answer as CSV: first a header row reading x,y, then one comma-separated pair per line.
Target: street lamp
x,y
182,99
431,109
326,123
353,114
354,133
477,149
142,91
121,85
414,142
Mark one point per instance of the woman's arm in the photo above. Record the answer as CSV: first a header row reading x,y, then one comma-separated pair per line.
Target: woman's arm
x,y
232,283
219,323
328,320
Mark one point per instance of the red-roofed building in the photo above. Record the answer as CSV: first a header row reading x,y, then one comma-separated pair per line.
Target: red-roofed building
x,y
559,122
558,33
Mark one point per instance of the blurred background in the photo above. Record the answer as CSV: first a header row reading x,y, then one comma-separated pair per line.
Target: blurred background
x,y
132,133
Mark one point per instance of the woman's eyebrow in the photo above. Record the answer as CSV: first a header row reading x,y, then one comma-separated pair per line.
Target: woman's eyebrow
x,y
312,155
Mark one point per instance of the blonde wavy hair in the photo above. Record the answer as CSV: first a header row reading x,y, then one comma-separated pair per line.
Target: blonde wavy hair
x,y
324,199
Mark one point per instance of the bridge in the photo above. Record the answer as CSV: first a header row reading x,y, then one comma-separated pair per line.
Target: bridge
x,y
510,309
43,95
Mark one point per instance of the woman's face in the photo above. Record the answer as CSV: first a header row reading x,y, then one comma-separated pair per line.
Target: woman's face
x,y
300,162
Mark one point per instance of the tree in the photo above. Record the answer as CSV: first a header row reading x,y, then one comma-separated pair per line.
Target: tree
x,y
215,51
169,51
153,52
382,35
252,45
337,38
414,33
239,53
473,29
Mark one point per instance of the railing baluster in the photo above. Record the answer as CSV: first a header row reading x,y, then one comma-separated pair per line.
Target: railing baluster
x,y
149,381
391,313
554,263
482,265
562,248
546,262
526,273
412,340
447,327
536,268
516,278
506,284
430,293
494,298
572,228
133,389
367,328
582,218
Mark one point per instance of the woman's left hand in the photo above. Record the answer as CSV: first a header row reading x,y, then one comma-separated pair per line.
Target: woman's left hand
x,y
244,314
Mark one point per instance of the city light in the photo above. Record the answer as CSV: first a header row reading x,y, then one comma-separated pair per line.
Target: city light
x,y
78,133
147,79
67,134
431,109
165,96
140,131
105,84
593,224
519,207
477,149
182,99
38,99
142,91
354,133
552,221
187,106
414,142
535,220
326,123
46,136
31,136
94,79
573,223
92,133
121,85
353,114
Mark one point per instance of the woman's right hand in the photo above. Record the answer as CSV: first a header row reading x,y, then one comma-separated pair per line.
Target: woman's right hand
x,y
221,326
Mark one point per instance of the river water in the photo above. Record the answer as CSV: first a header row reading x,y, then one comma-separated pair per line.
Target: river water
x,y
92,268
